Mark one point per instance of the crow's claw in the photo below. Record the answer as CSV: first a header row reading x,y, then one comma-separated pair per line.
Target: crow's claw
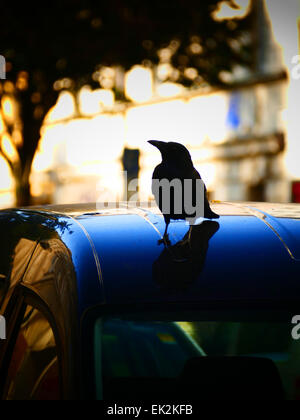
x,y
165,241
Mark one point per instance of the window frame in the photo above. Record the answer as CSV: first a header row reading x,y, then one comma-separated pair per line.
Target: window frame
x,y
209,312
20,299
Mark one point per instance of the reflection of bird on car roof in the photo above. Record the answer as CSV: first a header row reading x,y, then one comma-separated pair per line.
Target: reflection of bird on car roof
x,y
181,264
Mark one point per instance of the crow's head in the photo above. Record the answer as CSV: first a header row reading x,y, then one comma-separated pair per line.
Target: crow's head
x,y
172,152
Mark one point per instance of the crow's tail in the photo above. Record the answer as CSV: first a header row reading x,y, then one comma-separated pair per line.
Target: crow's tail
x,y
209,214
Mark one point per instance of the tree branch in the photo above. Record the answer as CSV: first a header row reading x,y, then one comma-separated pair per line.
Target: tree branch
x,y
6,157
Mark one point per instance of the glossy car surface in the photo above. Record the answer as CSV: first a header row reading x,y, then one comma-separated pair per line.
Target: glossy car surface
x,y
69,260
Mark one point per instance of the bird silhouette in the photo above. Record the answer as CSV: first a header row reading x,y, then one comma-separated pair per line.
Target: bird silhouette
x,y
177,165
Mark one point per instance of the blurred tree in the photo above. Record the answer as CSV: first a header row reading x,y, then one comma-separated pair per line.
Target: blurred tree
x,y
64,44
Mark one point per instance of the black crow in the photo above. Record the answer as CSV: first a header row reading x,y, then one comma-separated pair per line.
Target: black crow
x,y
177,165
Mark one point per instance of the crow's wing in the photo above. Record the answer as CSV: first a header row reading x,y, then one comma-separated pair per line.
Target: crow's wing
x,y
208,213
169,172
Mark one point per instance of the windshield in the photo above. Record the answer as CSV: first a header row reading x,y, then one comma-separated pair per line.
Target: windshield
x,y
147,359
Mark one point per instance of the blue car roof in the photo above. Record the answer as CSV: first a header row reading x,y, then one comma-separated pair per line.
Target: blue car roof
x,y
252,253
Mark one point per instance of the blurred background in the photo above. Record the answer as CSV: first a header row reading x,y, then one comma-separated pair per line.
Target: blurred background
x,y
84,85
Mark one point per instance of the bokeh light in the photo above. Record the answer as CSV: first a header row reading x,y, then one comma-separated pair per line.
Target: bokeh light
x,y
227,12
139,84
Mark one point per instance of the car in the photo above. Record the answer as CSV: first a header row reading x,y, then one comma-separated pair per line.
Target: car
x,y
96,306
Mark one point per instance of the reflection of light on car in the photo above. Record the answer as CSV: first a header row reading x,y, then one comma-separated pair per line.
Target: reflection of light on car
x,y
34,349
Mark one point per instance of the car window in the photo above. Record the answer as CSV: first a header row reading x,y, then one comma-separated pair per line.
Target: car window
x,y
128,349
272,341
33,372
151,358
145,349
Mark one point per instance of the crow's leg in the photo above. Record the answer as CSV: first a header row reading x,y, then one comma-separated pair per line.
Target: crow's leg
x,y
165,240
190,234
187,241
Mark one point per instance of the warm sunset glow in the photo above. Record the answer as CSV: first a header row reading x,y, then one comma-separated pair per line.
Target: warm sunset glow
x,y
166,90
208,116
2,125
48,154
162,120
83,152
8,108
105,97
89,149
5,179
139,84
208,173
94,141
287,37
64,108
6,199
88,102
80,152
8,148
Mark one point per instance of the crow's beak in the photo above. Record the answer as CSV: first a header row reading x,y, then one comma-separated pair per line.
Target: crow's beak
x,y
161,145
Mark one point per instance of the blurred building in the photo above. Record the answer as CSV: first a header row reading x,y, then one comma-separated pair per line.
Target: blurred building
x,y
244,140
